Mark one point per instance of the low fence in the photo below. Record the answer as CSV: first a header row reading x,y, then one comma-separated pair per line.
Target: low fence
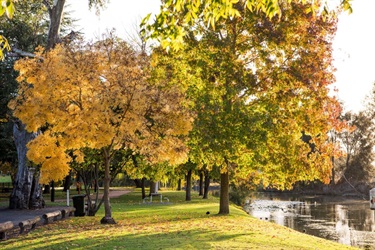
x,y
8,229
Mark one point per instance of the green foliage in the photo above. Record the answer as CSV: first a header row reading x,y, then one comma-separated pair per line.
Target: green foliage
x,y
255,85
176,17
8,85
7,7
265,81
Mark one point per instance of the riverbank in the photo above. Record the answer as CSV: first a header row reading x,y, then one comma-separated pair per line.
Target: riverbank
x,y
173,224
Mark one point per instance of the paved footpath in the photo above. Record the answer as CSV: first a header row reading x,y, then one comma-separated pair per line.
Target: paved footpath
x,y
16,215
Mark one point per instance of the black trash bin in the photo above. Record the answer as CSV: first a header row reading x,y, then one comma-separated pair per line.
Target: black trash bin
x,y
79,204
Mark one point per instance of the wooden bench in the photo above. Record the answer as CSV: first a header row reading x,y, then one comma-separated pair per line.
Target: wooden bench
x,y
53,215
66,212
4,228
30,223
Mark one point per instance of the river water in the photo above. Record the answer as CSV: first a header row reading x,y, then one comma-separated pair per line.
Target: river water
x,y
345,220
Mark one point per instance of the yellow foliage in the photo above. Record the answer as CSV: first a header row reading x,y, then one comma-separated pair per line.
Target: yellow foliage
x,y
53,159
87,99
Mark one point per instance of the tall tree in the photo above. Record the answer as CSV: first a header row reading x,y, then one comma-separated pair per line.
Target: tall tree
x,y
98,96
55,11
265,84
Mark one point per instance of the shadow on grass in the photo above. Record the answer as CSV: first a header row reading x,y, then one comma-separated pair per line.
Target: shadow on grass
x,y
187,239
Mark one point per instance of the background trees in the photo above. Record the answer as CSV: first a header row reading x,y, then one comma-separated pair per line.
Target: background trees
x,y
355,167
358,144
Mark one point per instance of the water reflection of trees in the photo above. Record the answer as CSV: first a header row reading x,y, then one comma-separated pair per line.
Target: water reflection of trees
x,y
342,225
349,223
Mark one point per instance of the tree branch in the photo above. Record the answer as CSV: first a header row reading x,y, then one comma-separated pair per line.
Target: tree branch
x,y
48,6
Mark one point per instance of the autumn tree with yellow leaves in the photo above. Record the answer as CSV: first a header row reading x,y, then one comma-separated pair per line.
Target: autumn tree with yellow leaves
x,y
98,96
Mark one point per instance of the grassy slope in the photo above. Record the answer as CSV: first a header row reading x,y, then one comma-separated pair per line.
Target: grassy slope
x,y
178,225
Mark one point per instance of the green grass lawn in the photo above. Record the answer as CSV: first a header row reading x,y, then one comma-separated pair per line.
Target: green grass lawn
x,y
177,225
5,179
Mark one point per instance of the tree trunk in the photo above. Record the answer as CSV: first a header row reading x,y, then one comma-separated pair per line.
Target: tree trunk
x,y
154,187
224,193
179,185
332,182
206,184
201,183
22,196
67,183
138,183
107,219
47,189
27,193
36,200
90,180
55,14
52,191
143,188
188,185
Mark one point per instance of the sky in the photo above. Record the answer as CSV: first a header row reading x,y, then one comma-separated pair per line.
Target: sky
x,y
354,44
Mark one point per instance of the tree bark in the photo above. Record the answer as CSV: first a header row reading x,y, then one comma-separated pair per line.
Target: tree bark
x,y
206,184
55,14
201,183
224,193
138,183
153,187
52,191
90,180
143,188
188,185
107,219
47,189
67,183
332,182
179,185
23,195
27,193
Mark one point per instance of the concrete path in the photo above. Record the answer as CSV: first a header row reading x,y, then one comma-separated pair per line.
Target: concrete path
x,y
16,215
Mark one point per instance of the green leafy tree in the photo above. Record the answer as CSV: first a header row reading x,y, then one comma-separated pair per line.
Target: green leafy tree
x,y
265,84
